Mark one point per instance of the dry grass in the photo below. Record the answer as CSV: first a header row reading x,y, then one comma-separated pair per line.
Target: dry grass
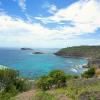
x,y
97,72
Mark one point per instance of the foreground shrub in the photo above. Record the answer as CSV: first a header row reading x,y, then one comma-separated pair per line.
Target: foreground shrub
x,y
54,79
7,76
59,77
44,82
11,84
22,85
89,73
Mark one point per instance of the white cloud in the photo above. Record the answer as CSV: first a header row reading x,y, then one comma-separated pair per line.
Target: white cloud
x,y
84,16
51,8
18,31
22,4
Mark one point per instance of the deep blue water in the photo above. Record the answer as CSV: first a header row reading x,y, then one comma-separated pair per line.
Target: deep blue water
x,y
34,65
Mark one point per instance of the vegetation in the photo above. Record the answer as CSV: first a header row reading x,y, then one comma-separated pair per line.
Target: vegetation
x,y
80,86
54,79
89,73
11,84
54,86
81,51
74,87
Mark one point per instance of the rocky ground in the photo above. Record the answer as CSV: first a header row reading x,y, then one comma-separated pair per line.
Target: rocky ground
x,y
26,95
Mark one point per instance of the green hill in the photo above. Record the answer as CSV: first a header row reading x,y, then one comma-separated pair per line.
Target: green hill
x,y
81,51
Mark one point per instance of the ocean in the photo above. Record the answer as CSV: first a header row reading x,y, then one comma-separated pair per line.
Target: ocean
x,y
34,65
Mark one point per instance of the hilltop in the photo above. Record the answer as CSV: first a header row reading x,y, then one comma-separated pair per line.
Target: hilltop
x,y
92,53
81,51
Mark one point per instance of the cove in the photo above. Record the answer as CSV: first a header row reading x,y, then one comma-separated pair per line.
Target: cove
x,y
34,65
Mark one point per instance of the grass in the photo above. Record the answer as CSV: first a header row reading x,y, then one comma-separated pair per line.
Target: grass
x,y
41,95
76,87
73,90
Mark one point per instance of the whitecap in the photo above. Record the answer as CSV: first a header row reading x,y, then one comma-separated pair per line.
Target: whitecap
x,y
74,70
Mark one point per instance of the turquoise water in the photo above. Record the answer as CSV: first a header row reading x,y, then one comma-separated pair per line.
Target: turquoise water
x,y
34,65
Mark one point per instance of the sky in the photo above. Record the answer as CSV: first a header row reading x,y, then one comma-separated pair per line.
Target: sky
x,y
49,23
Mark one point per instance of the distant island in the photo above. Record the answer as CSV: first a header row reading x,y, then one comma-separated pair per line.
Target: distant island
x,y
26,49
37,52
92,53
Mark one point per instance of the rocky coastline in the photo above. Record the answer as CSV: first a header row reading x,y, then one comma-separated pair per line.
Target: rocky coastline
x,y
90,53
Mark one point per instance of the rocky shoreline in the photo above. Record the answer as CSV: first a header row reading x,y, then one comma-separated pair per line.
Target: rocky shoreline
x,y
90,53
91,62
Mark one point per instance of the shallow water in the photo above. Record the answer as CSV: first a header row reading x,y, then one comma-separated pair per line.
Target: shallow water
x,y
34,65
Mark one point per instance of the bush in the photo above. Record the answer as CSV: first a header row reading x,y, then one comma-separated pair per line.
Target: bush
x,y
56,78
11,88
22,85
7,76
44,82
11,84
89,73
59,77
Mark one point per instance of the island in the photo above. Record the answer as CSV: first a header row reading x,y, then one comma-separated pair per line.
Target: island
x,y
37,52
26,49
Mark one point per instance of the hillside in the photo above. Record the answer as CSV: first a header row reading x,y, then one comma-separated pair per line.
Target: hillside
x,y
76,89
56,85
81,51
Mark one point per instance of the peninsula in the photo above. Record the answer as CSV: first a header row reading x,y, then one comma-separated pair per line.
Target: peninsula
x,y
91,53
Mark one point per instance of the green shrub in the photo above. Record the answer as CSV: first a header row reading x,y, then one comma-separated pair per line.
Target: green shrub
x,y
7,76
22,85
11,84
11,88
59,77
44,82
56,78
89,73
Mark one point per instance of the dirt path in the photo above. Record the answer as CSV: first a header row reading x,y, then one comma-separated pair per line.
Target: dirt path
x,y
26,95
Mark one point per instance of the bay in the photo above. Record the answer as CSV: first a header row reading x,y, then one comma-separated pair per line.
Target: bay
x,y
34,65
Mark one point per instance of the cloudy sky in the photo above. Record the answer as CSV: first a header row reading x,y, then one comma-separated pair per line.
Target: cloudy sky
x,y
49,23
